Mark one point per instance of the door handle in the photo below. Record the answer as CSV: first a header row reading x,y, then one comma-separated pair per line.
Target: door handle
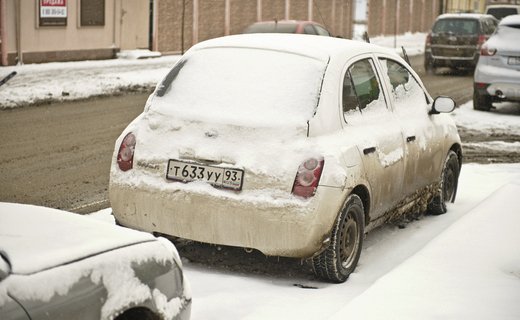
x,y
410,138
369,150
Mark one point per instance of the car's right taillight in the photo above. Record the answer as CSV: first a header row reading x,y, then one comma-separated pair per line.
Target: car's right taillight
x,y
485,50
125,156
308,177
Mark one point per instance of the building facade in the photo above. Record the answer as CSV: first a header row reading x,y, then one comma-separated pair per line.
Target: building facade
x,y
179,24
34,31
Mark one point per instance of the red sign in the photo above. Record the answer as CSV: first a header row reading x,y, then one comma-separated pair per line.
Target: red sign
x,y
53,3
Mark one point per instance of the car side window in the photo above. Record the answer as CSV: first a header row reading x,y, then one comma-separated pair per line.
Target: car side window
x,y
309,29
406,92
361,88
321,31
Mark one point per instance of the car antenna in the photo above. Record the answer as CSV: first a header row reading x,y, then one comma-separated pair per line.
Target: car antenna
x,y
321,17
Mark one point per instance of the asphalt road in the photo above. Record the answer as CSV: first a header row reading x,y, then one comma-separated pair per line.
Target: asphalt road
x,y
58,155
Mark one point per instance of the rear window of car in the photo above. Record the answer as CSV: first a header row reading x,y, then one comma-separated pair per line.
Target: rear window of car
x,y
242,86
456,26
500,13
271,28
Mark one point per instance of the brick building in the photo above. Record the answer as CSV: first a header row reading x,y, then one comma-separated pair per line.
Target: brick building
x,y
178,24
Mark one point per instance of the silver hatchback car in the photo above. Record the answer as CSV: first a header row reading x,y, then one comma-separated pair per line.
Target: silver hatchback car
x,y
59,265
497,76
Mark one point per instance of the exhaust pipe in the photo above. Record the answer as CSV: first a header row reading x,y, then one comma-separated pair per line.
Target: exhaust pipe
x,y
500,94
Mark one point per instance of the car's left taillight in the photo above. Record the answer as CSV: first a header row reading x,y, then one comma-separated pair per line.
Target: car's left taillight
x,y
485,50
308,177
125,156
428,40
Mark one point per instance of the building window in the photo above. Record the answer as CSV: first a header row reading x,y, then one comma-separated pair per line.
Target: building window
x,y
92,12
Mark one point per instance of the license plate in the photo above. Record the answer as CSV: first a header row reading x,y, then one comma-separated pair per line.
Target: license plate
x,y
513,60
228,178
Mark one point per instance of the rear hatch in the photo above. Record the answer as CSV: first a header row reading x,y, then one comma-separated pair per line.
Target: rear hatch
x,y
505,41
234,118
455,37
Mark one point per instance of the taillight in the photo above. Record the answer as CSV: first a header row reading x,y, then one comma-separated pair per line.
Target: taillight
x,y
308,177
125,156
428,39
485,50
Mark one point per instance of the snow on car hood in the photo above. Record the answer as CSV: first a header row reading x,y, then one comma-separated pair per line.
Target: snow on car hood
x,y
37,238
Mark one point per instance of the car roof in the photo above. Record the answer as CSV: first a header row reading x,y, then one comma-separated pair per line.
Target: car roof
x,y
320,48
511,20
491,6
37,238
475,16
298,22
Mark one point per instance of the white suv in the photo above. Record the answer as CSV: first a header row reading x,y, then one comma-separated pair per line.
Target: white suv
x,y
497,76
501,11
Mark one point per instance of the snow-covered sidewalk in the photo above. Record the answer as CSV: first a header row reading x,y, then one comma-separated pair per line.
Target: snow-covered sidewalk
x,y
61,81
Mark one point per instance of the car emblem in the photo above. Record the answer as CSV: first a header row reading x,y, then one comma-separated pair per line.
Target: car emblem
x,y
211,134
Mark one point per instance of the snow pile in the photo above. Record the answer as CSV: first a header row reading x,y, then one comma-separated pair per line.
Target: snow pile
x,y
61,81
413,43
471,271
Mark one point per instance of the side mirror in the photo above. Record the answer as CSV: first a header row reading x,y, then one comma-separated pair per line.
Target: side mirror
x,y
443,105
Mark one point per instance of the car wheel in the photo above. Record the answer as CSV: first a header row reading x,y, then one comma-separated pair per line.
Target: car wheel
x,y
429,68
448,185
481,101
340,258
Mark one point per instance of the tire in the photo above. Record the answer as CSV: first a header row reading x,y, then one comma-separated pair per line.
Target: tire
x,y
429,68
481,102
340,258
448,185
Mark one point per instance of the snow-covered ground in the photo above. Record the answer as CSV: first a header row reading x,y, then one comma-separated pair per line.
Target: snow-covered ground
x,y
461,265
60,81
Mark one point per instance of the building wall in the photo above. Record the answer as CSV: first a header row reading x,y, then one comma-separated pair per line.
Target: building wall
x,y
336,15
73,41
387,17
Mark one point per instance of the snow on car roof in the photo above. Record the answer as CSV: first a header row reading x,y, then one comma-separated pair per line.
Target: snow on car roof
x,y
37,238
320,48
510,20
462,15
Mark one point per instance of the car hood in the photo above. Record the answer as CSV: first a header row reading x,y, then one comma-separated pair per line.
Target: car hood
x,y
36,238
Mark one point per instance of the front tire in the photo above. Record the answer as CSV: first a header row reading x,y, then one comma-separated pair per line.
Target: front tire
x,y
340,258
448,185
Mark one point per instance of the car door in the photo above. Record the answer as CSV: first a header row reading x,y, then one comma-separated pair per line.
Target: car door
x,y
369,122
423,140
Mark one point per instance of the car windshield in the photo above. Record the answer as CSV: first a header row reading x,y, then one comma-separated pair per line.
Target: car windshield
x,y
242,86
271,28
456,26
500,13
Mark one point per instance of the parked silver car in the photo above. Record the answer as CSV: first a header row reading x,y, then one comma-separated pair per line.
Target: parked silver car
x,y
59,265
497,76
289,144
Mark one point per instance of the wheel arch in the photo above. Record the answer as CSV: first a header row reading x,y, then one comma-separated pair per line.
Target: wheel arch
x,y
362,192
141,313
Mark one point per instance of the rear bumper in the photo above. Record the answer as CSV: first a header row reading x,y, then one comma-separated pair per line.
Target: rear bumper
x,y
281,227
503,83
451,61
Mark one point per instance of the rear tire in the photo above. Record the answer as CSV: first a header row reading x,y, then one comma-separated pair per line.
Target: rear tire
x,y
340,258
481,102
448,185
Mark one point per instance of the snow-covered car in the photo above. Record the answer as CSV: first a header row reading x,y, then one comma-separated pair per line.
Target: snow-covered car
x,y
455,40
288,26
59,265
288,144
497,76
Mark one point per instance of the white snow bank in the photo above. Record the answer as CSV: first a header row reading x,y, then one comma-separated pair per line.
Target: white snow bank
x,y
504,119
61,81
471,271
413,43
